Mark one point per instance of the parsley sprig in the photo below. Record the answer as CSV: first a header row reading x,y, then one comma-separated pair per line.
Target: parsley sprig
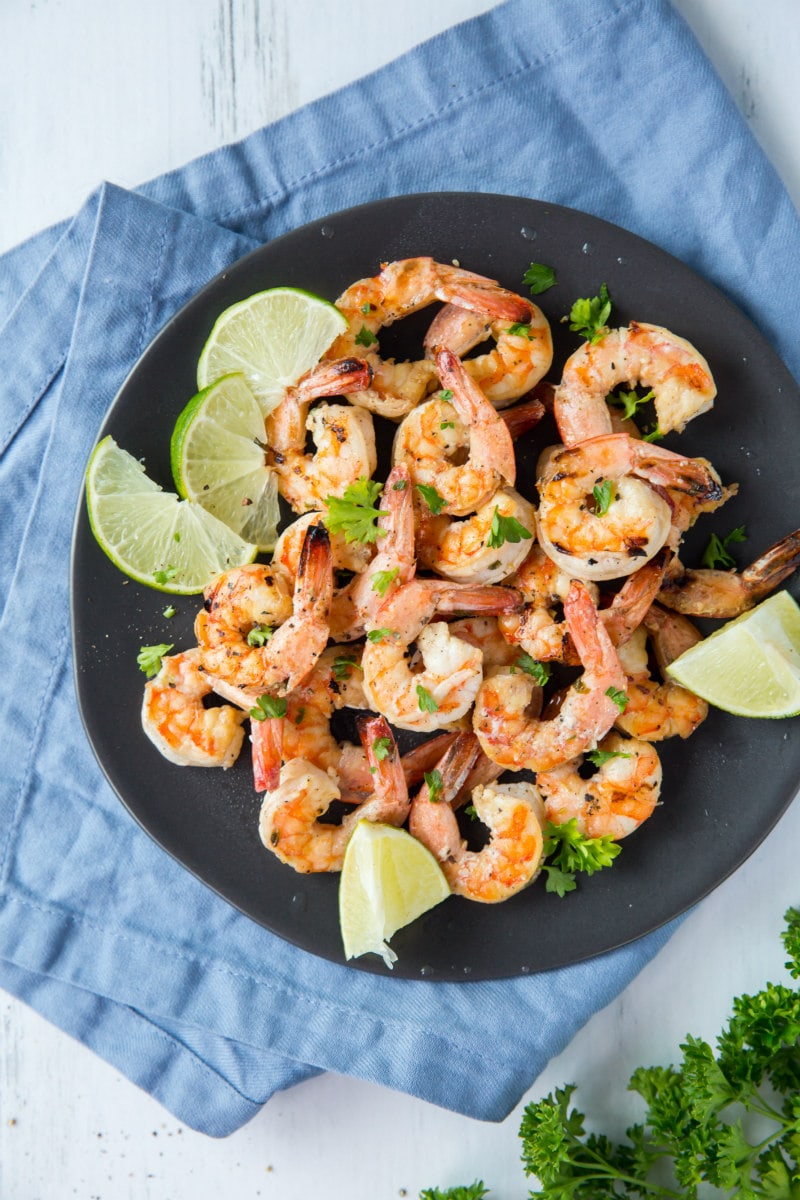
x,y
354,514
505,529
268,707
603,495
149,658
716,553
434,501
698,1131
589,316
629,402
571,851
539,278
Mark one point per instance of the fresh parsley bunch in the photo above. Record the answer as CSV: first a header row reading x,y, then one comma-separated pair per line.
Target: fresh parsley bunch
x,y
724,1123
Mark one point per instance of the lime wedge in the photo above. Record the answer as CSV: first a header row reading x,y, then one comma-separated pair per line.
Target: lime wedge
x,y
751,666
273,338
388,880
157,539
217,460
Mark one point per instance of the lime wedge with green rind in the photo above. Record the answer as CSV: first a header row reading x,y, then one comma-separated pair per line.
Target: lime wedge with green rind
x,y
388,880
273,338
217,458
153,536
751,665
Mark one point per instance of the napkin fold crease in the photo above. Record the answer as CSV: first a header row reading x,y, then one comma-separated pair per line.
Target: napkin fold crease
x,y
100,930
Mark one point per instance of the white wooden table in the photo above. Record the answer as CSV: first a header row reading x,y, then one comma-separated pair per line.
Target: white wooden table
x,y
178,79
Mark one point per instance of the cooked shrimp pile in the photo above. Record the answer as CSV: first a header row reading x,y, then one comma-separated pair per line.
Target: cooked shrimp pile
x,y
438,600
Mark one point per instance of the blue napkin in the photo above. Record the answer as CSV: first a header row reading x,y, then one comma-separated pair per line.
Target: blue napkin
x,y
603,105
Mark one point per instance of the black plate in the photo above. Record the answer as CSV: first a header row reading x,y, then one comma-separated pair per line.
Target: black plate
x,y
723,789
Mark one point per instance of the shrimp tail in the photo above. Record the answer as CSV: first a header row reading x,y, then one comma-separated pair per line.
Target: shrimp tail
x,y
523,416
480,599
335,377
691,476
475,411
431,819
267,741
726,594
774,565
425,756
311,604
477,293
390,802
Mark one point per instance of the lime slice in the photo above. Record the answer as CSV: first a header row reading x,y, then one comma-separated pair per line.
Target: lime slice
x,y
751,666
273,338
388,880
169,544
217,460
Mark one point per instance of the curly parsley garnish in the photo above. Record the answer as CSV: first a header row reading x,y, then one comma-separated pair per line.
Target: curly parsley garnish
x,y
716,553
380,635
539,278
599,758
355,514
519,329
505,529
538,671
383,580
435,785
629,402
434,501
604,493
619,698
425,700
589,316
695,1135
259,635
343,667
365,337
382,748
165,576
149,658
268,707
572,851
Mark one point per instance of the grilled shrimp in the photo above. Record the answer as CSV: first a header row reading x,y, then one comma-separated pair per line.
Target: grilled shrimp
x,y
671,367
428,439
726,594
513,814
402,288
343,436
178,724
658,710
600,515
477,549
511,736
521,356
236,633
611,803
290,825
444,689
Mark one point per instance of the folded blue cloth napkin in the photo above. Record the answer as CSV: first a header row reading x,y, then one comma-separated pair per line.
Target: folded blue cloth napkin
x,y
603,105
